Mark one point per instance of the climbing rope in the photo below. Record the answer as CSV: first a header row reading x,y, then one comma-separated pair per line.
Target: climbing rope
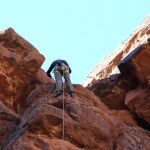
x,y
63,121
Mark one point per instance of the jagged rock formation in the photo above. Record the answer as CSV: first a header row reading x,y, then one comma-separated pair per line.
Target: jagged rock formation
x,y
108,66
31,118
133,56
128,88
19,63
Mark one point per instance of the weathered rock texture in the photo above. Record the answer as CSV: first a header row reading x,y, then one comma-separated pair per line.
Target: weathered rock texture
x,y
19,62
31,118
132,58
122,80
108,66
138,101
88,124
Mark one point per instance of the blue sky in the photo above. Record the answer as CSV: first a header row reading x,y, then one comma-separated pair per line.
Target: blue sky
x,y
81,31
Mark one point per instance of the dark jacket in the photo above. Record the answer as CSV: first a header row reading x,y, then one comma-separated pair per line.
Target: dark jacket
x,y
54,64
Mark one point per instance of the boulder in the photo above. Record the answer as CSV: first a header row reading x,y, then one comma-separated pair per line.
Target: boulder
x,y
19,63
108,66
138,103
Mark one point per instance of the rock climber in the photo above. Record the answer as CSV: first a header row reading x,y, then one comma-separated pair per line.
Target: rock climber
x,y
61,69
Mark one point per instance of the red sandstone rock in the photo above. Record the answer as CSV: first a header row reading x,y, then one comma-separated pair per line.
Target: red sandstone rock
x,y
138,102
38,124
132,57
137,64
42,78
19,63
125,116
8,122
113,92
88,124
109,65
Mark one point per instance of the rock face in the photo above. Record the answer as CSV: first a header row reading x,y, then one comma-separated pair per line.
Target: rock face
x,y
108,66
113,92
31,118
138,101
87,124
19,63
131,58
126,92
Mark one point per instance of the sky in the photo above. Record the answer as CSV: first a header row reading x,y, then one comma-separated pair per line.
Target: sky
x,y
83,32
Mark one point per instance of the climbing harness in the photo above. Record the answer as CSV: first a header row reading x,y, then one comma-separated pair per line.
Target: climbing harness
x,y
62,68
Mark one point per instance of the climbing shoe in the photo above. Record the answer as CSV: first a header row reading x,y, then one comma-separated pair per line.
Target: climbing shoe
x,y
58,93
71,93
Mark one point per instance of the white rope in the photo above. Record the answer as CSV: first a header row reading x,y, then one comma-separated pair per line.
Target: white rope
x,y
63,122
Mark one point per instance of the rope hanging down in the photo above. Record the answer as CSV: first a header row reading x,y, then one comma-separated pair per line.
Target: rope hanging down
x,y
63,121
